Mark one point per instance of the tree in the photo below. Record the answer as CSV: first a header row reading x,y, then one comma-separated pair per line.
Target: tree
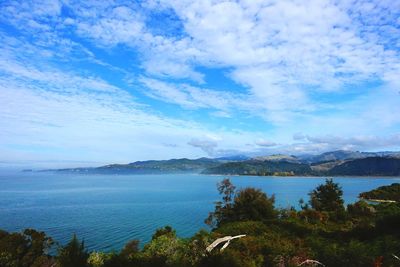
x,y
223,209
243,205
24,249
164,250
327,197
98,259
130,249
167,230
73,254
38,244
253,205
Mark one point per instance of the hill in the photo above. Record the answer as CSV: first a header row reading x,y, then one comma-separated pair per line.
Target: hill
x,y
377,166
257,167
337,155
151,167
278,157
325,166
372,166
331,163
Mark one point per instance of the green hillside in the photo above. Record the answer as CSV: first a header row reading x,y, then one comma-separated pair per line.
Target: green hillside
x,y
388,192
257,167
373,166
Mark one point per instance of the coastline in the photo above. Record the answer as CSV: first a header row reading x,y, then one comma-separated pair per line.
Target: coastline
x,y
379,200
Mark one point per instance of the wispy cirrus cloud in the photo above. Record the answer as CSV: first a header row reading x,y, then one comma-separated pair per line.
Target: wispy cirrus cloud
x,y
282,52
194,97
45,124
49,113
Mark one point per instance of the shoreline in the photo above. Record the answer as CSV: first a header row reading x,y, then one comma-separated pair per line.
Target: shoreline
x,y
379,200
197,173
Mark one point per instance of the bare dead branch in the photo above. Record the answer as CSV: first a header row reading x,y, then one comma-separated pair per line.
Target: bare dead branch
x,y
225,239
314,262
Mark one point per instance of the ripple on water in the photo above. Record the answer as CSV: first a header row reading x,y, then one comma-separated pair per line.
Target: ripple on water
x,y
108,211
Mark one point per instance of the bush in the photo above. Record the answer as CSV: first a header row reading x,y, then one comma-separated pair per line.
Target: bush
x,y
98,259
24,249
73,254
360,209
248,204
167,230
328,197
252,204
164,250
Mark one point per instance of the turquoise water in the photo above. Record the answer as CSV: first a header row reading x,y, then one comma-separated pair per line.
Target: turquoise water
x,y
109,210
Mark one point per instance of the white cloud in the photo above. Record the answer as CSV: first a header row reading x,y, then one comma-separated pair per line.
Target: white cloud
x,y
170,93
281,51
191,97
357,142
61,81
46,115
314,144
120,25
317,67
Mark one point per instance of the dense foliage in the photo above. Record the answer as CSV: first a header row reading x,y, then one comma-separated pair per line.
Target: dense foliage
x,y
73,254
25,249
248,204
360,234
327,197
388,192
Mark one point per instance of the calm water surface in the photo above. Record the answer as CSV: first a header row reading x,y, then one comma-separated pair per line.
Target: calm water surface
x,y
109,210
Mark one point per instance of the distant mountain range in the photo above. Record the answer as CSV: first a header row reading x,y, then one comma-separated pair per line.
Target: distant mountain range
x,y
152,167
337,163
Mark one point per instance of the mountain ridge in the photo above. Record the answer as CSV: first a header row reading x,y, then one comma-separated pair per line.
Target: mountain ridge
x,y
338,162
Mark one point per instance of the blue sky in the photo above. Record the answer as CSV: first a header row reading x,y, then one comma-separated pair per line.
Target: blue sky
x,y
94,82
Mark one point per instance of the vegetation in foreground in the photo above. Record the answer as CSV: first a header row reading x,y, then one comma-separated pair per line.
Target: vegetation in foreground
x,y
324,231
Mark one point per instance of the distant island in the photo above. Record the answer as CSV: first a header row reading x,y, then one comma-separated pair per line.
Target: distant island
x,y
335,163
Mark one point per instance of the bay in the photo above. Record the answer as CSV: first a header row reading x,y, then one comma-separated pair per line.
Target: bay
x,y
109,210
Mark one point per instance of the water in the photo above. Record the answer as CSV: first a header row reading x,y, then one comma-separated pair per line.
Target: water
x,y
109,210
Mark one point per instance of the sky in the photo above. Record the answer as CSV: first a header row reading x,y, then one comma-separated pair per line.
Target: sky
x,y
86,83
